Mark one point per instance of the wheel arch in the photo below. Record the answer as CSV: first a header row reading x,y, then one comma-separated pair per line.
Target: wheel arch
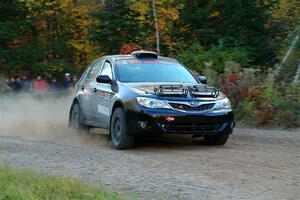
x,y
75,101
117,104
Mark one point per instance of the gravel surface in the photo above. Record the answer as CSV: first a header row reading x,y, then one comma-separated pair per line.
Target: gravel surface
x,y
254,164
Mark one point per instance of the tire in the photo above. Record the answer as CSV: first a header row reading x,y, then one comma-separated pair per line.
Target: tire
x,y
216,139
118,131
75,120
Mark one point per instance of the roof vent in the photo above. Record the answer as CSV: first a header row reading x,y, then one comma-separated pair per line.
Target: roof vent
x,y
144,54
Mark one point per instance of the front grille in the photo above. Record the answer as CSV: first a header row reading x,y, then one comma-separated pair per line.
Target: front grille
x,y
185,107
192,127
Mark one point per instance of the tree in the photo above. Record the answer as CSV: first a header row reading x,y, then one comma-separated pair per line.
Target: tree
x,y
49,34
286,13
14,31
286,16
53,35
78,21
231,24
167,12
119,25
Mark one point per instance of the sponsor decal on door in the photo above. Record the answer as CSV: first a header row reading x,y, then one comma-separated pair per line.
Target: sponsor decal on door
x,y
103,110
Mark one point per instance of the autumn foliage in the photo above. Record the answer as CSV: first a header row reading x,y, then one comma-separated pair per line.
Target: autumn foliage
x,y
52,37
129,48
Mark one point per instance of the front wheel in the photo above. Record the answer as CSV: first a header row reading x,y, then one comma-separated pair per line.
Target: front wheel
x,y
118,131
216,139
75,120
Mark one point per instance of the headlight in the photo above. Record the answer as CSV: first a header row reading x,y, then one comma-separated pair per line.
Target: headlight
x,y
152,103
222,104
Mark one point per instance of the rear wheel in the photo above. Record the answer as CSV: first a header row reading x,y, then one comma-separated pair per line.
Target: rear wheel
x,y
216,139
118,131
75,120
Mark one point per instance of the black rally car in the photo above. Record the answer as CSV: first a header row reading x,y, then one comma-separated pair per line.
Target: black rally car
x,y
143,93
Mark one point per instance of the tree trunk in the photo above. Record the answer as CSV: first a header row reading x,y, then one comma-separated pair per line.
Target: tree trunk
x,y
156,27
297,74
290,49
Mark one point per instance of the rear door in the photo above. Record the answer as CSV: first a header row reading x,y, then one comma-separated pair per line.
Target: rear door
x,y
103,95
80,92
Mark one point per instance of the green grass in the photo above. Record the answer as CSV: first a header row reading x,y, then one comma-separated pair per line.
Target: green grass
x,y
28,185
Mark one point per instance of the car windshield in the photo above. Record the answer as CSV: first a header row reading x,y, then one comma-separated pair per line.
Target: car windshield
x,y
152,70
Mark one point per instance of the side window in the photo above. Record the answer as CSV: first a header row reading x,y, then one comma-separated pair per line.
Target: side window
x,y
84,74
107,70
95,70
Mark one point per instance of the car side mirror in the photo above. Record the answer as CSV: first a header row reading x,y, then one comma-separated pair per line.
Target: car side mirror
x,y
202,79
103,79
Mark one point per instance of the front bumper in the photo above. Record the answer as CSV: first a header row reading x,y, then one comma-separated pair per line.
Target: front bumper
x,y
156,121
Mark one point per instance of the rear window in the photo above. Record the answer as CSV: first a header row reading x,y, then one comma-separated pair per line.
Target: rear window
x,y
152,70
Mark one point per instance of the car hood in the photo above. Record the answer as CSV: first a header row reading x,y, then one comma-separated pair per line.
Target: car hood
x,y
149,89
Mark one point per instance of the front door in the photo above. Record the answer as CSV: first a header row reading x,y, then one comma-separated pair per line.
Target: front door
x,y
88,90
102,99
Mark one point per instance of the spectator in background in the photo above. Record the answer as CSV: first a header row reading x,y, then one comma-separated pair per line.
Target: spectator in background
x,y
12,83
18,84
69,83
25,84
4,86
74,80
7,82
40,86
54,85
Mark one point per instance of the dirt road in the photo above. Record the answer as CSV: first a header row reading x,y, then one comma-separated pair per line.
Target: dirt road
x,y
255,164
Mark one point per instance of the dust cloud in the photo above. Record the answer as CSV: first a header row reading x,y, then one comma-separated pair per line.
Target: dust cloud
x,y
40,117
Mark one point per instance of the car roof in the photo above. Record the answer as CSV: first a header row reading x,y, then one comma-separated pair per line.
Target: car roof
x,y
129,56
